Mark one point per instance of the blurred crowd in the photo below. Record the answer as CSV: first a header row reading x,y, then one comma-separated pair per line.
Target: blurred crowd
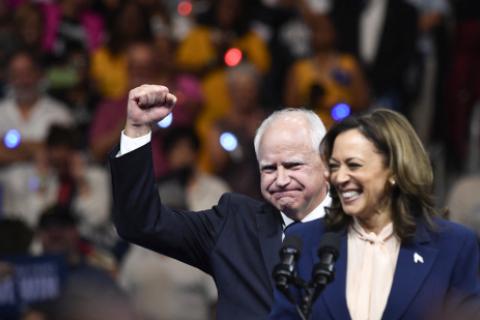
x,y
66,67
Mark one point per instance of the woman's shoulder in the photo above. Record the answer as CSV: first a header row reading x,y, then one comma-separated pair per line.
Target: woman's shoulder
x,y
453,228
450,231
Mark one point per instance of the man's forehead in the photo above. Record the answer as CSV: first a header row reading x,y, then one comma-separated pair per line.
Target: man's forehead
x,y
288,155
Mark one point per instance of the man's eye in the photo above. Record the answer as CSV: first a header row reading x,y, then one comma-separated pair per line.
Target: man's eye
x,y
268,169
293,166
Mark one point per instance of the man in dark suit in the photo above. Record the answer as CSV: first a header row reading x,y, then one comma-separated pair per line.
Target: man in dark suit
x,y
237,241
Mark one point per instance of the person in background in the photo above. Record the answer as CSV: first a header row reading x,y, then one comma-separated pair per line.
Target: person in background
x,y
382,35
187,187
397,257
235,159
27,112
327,79
127,24
109,118
71,23
20,28
61,174
235,241
224,26
90,272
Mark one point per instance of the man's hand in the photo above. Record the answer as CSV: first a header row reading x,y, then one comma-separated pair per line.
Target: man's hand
x,y
147,104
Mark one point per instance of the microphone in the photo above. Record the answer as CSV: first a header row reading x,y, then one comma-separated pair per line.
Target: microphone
x,y
322,273
284,272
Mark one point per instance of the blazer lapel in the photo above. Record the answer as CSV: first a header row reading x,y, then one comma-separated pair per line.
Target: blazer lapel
x,y
269,225
334,294
414,263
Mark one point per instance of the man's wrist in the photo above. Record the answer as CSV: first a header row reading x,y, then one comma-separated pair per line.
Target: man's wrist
x,y
136,131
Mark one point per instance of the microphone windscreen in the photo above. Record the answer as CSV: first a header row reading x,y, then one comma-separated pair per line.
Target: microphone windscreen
x,y
330,242
293,242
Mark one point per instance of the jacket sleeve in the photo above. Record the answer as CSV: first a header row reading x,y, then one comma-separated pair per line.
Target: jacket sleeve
x,y
140,217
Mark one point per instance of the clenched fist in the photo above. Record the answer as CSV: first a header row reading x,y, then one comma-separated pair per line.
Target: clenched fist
x,y
147,104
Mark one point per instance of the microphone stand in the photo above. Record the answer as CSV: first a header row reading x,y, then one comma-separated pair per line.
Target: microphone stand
x,y
323,273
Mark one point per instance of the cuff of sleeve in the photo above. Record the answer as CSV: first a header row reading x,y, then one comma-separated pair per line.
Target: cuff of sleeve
x,y
128,144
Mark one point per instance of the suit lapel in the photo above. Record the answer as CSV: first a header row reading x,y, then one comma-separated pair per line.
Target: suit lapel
x,y
334,294
269,225
410,273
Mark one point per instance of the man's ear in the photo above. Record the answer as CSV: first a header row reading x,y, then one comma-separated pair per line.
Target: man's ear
x,y
326,174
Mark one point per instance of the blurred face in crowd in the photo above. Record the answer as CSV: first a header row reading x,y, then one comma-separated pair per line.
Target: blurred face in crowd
x,y
243,90
292,172
141,64
129,22
59,239
360,176
182,155
24,78
59,157
323,34
29,25
228,12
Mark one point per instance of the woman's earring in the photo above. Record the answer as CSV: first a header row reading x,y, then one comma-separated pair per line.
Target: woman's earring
x,y
392,182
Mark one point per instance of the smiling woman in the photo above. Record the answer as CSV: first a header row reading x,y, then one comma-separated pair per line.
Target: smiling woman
x,y
397,259
382,145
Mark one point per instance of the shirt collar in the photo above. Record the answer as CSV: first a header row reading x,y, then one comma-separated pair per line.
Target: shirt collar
x,y
360,232
316,213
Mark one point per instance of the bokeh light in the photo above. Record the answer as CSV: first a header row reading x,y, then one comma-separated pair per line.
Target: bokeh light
x,y
12,139
228,141
184,8
233,57
166,122
340,111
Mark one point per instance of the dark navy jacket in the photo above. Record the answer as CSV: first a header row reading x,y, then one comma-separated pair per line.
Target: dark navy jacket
x,y
419,290
237,241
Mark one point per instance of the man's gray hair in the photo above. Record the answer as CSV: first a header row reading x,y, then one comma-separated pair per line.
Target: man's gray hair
x,y
316,127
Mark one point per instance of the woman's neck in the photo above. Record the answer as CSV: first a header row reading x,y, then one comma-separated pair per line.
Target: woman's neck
x,y
375,223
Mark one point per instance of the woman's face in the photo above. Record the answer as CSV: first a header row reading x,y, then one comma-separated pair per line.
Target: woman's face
x,y
359,175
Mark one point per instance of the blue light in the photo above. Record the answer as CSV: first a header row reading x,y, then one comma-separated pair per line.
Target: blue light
x,y
166,122
228,141
340,111
12,139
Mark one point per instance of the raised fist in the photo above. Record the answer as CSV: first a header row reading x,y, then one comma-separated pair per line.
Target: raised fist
x,y
147,104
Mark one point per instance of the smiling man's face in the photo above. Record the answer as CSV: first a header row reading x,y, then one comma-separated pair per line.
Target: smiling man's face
x,y
292,172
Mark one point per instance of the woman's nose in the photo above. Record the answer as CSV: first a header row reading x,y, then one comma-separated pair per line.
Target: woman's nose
x,y
340,176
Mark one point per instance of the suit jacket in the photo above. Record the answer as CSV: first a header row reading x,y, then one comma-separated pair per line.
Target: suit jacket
x,y
419,290
237,241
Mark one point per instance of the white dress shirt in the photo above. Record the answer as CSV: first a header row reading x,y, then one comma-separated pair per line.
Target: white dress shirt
x,y
317,213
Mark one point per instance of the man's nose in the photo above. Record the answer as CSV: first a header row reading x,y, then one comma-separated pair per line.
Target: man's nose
x,y
282,177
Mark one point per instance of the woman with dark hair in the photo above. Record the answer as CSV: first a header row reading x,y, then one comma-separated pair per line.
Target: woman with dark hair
x,y
397,258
